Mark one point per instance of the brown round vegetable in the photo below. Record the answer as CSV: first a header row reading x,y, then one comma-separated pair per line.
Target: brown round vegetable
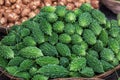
x,y
17,11
32,6
77,4
7,3
47,2
2,2
25,12
62,2
31,14
3,20
26,1
70,6
37,11
24,19
12,17
12,1
17,22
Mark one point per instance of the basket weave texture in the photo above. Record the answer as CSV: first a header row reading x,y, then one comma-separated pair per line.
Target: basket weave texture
x,y
113,5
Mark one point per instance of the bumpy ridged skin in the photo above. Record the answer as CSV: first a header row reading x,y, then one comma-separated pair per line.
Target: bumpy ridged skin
x,y
69,29
92,62
58,27
45,60
98,46
78,12
96,28
37,34
30,52
76,39
19,46
84,45
104,37
98,15
89,36
53,71
64,61
114,23
12,69
93,53
74,74
115,62
79,50
114,31
48,9
114,45
63,49
77,64
15,61
78,29
64,38
3,62
51,17
108,24
24,75
9,40
106,66
46,27
70,17
24,32
25,65
33,71
87,72
118,56
39,77
29,41
86,7
107,54
60,11
48,49
6,52
36,31
53,39
84,19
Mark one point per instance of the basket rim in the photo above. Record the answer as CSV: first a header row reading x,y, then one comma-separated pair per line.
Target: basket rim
x,y
97,77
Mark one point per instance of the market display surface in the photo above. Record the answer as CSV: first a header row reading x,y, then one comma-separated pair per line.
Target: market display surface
x,y
61,43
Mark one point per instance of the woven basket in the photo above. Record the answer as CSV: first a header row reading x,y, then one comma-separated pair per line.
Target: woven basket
x,y
113,5
98,77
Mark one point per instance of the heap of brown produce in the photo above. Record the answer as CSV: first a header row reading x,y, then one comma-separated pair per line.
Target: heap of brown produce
x,y
17,11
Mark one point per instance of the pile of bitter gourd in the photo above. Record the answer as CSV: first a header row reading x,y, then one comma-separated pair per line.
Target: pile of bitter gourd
x,y
60,43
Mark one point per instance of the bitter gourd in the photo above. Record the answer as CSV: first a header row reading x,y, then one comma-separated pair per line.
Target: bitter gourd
x,y
79,50
63,49
30,52
77,64
93,61
48,49
45,60
89,36
6,52
98,15
84,19
107,54
87,72
64,38
53,71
